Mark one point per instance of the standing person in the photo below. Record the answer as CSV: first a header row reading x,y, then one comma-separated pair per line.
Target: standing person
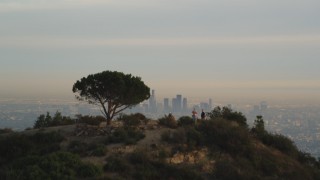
x,y
203,115
194,115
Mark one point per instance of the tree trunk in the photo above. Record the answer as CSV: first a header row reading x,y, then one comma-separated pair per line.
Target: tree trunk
x,y
108,121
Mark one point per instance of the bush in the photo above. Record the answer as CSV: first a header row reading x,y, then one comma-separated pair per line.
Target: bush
x,y
47,142
5,130
226,135
98,150
90,120
185,121
78,147
58,165
146,168
125,135
228,114
175,137
18,145
194,138
133,120
48,121
280,142
226,170
14,147
116,164
184,136
84,149
168,121
45,138
88,170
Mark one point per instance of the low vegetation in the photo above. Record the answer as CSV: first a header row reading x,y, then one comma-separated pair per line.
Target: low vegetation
x,y
39,156
138,165
5,130
84,149
127,135
44,121
243,153
49,121
133,120
168,121
231,150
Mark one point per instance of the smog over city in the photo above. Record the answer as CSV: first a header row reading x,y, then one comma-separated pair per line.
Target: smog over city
x,y
256,57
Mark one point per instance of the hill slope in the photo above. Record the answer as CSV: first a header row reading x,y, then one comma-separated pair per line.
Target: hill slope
x,y
212,149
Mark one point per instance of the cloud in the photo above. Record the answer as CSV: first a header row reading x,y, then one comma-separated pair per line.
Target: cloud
x,y
66,42
31,5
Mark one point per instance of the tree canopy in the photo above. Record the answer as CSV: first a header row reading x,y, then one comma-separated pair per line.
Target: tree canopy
x,y
228,114
113,91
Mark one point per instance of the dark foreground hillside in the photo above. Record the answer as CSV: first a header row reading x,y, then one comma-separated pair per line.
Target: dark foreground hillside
x,y
134,148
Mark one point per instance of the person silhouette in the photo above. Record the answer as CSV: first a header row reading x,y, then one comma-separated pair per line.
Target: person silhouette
x,y
203,114
194,114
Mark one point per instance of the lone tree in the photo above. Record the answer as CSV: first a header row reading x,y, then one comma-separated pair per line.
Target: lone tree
x,y
113,91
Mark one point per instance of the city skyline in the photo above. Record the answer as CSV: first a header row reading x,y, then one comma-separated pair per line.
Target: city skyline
x,y
238,50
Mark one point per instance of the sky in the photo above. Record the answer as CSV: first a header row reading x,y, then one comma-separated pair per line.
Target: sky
x,y
235,49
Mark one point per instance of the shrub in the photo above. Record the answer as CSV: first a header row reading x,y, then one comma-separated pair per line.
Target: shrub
x,y
45,138
48,121
84,149
175,137
78,147
19,145
98,150
168,121
184,136
88,170
237,168
194,138
116,164
280,142
228,114
47,142
226,135
226,170
5,130
185,121
125,135
163,154
14,147
133,120
146,168
58,165
90,120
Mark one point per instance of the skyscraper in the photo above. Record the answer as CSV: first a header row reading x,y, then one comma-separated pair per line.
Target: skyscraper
x,y
185,105
153,102
174,105
166,106
179,102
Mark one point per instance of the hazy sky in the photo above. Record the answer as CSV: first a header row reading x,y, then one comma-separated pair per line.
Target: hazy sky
x,y
264,49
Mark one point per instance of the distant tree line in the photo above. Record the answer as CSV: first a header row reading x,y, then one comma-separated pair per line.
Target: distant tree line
x,y
46,120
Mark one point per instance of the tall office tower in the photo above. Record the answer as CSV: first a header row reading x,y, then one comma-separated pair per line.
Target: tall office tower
x,y
210,104
179,102
166,107
153,102
185,105
174,105
146,108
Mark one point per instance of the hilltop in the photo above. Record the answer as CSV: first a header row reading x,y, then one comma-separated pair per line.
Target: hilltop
x,y
133,147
